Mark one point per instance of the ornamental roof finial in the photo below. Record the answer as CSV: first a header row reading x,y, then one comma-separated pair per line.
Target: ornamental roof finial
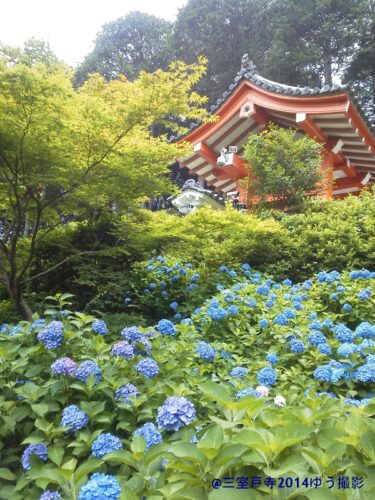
x,y
247,65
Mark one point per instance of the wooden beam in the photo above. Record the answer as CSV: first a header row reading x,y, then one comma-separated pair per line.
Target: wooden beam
x,y
347,168
307,124
251,110
206,153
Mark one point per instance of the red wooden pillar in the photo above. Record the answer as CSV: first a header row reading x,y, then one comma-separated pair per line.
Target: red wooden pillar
x,y
327,171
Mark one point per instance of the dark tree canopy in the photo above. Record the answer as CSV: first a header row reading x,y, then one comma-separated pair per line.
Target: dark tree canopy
x,y
128,45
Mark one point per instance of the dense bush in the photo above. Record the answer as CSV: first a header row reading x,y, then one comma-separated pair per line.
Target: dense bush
x,y
328,235
264,379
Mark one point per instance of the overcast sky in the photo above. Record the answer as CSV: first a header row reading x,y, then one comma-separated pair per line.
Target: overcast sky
x,y
70,26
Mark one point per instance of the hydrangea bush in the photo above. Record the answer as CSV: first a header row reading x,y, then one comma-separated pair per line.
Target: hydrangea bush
x,y
258,379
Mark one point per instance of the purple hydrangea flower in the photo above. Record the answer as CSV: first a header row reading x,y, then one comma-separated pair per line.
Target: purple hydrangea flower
x,y
100,486
147,367
38,449
50,495
150,433
64,366
74,418
123,349
175,413
104,444
131,334
52,335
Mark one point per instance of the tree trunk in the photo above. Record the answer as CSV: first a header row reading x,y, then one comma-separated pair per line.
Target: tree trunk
x,y
14,292
24,308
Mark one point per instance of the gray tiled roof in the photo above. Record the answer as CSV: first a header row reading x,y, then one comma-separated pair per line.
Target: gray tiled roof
x,y
248,72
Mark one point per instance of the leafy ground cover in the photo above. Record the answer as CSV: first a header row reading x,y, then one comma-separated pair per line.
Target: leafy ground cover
x,y
254,379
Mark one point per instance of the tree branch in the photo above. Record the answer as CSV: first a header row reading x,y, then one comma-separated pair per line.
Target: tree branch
x,y
59,264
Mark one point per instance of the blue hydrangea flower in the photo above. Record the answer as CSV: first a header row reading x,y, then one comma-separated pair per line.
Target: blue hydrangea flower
x,y
164,293
248,391
87,368
39,323
173,305
174,279
104,444
263,323
251,302
191,287
233,310
100,327
166,327
263,290
342,332
334,296
365,330
127,300
145,350
289,313
366,373
4,327
323,372
147,367
194,277
272,358
315,325
223,269
131,334
38,449
328,323
364,294
186,321
217,313
150,433
52,335
346,307
100,486
176,412
124,392
239,372
324,349
64,366
297,346
266,376
205,351
224,354
281,319
362,274
50,495
152,286
346,349
74,418
287,282
340,288
313,315
357,402
316,337
123,349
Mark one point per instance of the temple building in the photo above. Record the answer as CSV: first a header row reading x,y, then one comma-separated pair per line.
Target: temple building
x,y
330,115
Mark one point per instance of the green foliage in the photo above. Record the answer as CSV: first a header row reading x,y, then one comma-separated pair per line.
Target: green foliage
x,y
283,167
66,151
131,44
307,437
